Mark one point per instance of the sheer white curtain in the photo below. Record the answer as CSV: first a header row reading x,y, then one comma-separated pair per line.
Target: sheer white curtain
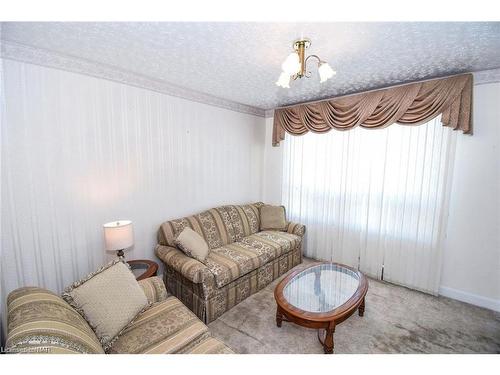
x,y
373,199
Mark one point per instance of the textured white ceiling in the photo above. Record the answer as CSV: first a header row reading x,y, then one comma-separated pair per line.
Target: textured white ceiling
x,y
241,61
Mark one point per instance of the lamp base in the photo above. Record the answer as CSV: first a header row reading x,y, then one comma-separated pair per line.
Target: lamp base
x,y
119,254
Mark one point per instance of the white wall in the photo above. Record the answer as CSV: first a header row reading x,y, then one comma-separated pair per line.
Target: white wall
x,y
471,256
79,151
273,167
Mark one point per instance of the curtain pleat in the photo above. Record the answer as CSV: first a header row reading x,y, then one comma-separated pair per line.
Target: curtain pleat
x,y
411,104
374,200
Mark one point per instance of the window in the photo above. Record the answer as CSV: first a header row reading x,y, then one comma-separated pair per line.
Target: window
x,y
373,199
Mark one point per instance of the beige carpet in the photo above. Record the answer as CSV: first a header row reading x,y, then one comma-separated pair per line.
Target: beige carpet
x,y
396,320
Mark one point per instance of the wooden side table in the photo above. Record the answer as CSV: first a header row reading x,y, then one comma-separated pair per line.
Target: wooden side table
x,y
143,268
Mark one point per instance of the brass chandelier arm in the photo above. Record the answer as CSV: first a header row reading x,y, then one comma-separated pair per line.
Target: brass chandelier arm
x,y
307,73
315,56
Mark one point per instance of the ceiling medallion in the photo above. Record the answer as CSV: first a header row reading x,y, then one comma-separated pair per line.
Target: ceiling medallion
x,y
296,63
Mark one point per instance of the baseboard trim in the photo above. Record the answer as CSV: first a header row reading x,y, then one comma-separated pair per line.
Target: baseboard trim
x,y
473,299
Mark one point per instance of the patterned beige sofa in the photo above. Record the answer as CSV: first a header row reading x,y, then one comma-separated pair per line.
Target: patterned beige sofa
x,y
242,259
39,321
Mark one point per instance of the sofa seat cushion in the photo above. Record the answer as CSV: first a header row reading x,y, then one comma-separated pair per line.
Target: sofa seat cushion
x,y
282,241
208,345
232,261
166,327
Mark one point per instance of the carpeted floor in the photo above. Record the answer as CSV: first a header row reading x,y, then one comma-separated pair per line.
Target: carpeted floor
x,y
396,320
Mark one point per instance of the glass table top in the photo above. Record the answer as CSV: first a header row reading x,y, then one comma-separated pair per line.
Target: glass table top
x,y
321,288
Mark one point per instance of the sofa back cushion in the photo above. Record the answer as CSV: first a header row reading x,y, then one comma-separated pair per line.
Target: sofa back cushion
x,y
154,289
213,225
245,219
41,322
218,226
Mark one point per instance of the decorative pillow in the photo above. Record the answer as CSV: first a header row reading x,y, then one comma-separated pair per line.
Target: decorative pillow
x,y
272,218
108,299
192,244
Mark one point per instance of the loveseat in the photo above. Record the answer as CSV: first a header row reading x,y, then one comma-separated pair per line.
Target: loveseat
x,y
40,321
242,258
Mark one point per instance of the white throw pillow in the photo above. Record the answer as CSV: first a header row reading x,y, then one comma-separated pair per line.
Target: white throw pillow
x,y
108,299
192,244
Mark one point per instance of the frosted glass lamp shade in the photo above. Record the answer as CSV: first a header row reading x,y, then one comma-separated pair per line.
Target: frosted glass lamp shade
x,y
284,80
291,65
325,71
118,235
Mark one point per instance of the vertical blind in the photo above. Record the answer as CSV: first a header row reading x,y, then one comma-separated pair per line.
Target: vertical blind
x,y
373,199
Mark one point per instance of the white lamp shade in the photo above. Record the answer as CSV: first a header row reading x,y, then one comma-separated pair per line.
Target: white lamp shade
x,y
292,64
118,235
284,80
325,71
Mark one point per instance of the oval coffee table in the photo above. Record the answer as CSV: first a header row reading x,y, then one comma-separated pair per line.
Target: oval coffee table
x,y
321,296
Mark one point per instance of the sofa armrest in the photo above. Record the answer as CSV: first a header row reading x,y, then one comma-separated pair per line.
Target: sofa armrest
x,y
190,268
39,321
154,289
295,228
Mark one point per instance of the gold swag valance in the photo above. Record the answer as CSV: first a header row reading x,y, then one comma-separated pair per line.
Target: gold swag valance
x,y
411,104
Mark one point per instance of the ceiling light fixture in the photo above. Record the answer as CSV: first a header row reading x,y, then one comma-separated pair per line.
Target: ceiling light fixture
x,y
295,65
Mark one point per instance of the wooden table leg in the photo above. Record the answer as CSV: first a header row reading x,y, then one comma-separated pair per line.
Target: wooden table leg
x,y
328,345
279,316
361,310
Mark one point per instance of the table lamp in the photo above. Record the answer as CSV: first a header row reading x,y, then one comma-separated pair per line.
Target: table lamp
x,y
118,236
